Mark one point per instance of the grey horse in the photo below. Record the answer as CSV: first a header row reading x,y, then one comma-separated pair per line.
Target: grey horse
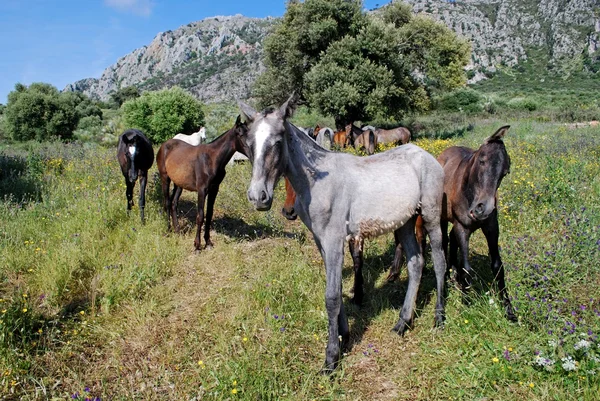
x,y
342,197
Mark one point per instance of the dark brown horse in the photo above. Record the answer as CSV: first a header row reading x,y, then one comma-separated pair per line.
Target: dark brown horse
x,y
471,182
352,132
398,136
135,155
199,169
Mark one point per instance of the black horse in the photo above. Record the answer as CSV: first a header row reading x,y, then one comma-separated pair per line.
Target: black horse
x,y
135,155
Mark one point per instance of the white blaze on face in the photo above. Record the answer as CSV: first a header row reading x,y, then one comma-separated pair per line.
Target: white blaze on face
x,y
261,135
132,150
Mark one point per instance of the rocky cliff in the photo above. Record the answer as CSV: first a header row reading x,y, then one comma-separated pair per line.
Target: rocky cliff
x,y
219,58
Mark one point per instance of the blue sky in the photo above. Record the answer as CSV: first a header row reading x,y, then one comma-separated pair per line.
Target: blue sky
x,y
62,41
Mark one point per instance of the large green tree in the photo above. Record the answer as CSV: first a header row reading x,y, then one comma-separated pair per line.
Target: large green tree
x,y
40,112
378,65
163,114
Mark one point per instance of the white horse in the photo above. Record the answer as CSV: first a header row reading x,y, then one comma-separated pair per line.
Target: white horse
x,y
194,139
342,197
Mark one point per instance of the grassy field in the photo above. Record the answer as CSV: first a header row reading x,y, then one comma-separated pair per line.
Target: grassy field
x,y
93,304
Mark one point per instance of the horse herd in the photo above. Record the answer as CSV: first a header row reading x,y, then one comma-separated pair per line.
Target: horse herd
x,y
342,197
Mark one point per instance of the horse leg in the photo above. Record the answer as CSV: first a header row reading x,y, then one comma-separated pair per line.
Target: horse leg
x,y
432,225
333,256
143,180
395,268
129,193
491,230
165,182
356,250
212,196
464,273
174,202
199,218
453,254
415,269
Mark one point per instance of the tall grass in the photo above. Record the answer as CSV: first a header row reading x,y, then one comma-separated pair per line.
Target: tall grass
x,y
96,304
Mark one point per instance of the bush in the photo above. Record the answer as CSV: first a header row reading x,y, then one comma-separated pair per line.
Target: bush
x,y
464,99
163,114
40,112
89,129
523,104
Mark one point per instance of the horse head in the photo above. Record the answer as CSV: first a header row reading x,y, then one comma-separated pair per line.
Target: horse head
x,y
489,165
241,131
266,145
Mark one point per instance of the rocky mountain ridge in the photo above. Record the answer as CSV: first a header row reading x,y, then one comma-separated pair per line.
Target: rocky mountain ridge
x,y
219,58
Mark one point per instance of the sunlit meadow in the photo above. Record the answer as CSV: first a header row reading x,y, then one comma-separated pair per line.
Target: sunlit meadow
x,y
96,305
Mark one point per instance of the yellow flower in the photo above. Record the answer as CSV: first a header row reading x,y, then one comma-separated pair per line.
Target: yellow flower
x,y
82,313
40,331
510,349
466,321
245,339
24,310
3,310
234,391
235,382
531,385
495,360
201,364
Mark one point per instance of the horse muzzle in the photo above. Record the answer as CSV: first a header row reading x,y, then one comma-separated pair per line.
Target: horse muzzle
x,y
289,214
481,211
260,199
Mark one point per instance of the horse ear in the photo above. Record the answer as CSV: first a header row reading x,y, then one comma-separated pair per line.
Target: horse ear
x,y
498,135
287,109
247,111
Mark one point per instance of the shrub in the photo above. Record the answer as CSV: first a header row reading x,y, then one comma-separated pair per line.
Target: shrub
x,y
523,104
163,114
89,129
464,99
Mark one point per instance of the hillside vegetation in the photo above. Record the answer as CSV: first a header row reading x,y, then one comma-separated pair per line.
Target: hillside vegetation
x,y
95,304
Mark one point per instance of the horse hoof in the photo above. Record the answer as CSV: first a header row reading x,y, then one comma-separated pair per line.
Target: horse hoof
x,y
392,277
197,251
511,317
209,246
400,328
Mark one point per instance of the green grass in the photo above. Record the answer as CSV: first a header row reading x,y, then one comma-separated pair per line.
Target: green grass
x,y
92,298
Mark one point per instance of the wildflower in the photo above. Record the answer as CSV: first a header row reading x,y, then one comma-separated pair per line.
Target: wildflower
x,y
40,331
245,339
282,329
581,344
201,364
466,321
82,313
235,382
234,391
552,343
531,385
24,310
495,360
568,364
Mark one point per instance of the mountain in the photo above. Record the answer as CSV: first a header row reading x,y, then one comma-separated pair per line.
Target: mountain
x,y
215,59
219,58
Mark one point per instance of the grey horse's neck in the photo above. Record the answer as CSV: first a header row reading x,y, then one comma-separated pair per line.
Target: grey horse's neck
x,y
303,159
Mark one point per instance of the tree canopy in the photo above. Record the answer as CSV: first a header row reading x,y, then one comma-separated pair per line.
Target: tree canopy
x,y
163,114
356,66
40,112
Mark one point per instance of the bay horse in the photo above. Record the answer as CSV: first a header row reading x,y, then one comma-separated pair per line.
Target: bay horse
x,y
135,156
199,169
398,136
334,200
352,132
194,139
472,179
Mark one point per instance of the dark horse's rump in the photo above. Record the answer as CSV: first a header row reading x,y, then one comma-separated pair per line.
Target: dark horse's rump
x,y
135,156
199,169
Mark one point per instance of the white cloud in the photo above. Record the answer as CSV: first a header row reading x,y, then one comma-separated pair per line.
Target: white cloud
x,y
138,7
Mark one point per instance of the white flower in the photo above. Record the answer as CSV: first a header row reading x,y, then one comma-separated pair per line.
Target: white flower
x,y
553,343
491,301
582,344
568,364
